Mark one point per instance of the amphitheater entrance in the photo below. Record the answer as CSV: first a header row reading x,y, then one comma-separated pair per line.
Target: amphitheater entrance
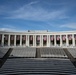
x,y
0,39
75,42
38,40
58,40
5,40
51,40
45,40
75,38
23,40
31,40
17,40
64,40
0,42
70,42
12,40
70,39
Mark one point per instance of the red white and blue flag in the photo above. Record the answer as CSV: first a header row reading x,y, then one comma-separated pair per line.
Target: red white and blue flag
x,y
12,37
18,37
69,37
52,38
64,37
45,38
58,37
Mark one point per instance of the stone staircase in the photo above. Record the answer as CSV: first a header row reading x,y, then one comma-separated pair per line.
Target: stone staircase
x,y
38,66
60,62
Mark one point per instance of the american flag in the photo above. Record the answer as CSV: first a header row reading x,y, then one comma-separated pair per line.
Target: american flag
x,y
18,37
52,37
31,37
64,37
44,38
58,37
6,37
70,37
75,36
38,38
12,37
24,37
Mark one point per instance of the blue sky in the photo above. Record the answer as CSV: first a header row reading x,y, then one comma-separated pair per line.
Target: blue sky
x,y
52,15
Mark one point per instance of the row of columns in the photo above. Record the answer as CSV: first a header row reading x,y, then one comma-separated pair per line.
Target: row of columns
x,y
41,40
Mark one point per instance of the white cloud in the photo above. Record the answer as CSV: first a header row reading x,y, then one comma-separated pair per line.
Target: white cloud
x,y
69,25
31,3
30,12
13,30
7,27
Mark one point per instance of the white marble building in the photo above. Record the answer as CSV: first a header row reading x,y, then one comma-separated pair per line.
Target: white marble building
x,y
38,38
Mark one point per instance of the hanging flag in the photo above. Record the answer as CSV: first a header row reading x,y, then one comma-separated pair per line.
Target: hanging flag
x,y
45,38
38,37
12,37
58,37
31,37
18,37
52,37
75,36
70,37
24,37
64,37
6,37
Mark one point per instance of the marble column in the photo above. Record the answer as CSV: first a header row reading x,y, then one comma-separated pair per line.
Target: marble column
x,y
40,40
54,40
14,40
33,41
20,40
2,43
60,40
48,40
73,42
8,40
67,42
27,40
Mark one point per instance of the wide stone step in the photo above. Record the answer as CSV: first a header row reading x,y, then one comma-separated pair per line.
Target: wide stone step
x,y
37,70
21,73
24,66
